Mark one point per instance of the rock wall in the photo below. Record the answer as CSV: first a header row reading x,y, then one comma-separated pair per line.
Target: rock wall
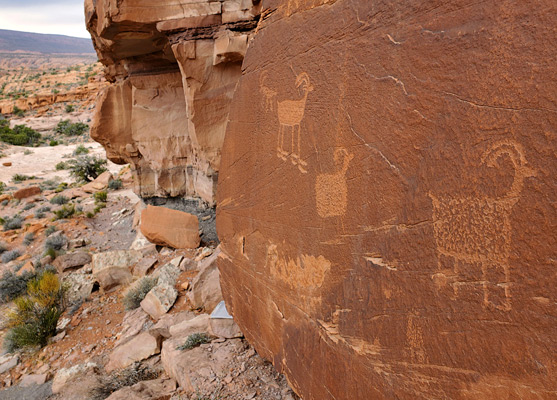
x,y
387,195
173,67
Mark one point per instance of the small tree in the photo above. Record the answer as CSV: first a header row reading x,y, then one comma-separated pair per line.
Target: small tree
x,y
87,168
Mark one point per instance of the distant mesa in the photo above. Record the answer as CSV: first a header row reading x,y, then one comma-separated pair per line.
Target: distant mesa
x,y
43,43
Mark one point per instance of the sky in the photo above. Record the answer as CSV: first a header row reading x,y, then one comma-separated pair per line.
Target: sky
x,y
62,17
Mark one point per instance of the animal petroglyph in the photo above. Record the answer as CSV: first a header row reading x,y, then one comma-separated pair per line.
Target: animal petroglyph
x,y
477,231
290,115
331,191
305,271
268,94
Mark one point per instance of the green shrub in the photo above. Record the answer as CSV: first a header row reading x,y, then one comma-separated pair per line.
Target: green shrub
x,y
20,135
50,252
53,143
12,222
35,316
55,242
65,127
28,206
194,340
100,197
67,211
18,112
27,152
90,214
87,168
28,239
61,187
69,108
2,187
80,150
10,255
44,209
99,207
135,295
61,166
39,214
5,202
17,178
49,184
12,286
59,199
50,230
115,184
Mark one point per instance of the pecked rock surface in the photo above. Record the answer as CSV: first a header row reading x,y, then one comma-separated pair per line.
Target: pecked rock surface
x,y
173,66
386,199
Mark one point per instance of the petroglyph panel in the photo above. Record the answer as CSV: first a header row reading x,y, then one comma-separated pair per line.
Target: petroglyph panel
x,y
413,254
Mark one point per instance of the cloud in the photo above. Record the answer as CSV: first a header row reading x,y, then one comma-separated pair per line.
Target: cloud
x,y
63,17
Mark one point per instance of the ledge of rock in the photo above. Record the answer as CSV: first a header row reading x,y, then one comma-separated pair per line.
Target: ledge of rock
x,y
386,202
168,227
173,69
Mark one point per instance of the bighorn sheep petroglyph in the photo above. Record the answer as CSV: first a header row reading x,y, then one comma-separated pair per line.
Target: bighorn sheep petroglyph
x,y
290,115
476,231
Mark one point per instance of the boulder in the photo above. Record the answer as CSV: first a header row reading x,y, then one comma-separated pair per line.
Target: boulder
x,y
222,325
112,268
33,379
7,362
199,324
193,368
80,285
134,321
159,300
224,328
69,261
146,390
172,228
100,183
64,375
139,348
27,192
205,290
144,265
386,198
26,268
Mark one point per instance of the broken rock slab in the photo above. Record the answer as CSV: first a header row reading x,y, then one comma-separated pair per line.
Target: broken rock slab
x,y
27,192
112,268
159,300
205,290
222,325
65,262
7,362
134,322
100,183
199,324
144,265
33,379
146,390
64,375
139,348
167,227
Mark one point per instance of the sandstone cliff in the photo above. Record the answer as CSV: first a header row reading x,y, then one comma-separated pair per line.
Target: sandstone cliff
x,y
173,67
386,195
387,201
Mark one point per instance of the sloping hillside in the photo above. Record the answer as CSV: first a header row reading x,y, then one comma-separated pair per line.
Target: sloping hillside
x,y
36,42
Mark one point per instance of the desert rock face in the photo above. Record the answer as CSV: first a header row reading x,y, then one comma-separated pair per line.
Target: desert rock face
x,y
173,70
386,198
